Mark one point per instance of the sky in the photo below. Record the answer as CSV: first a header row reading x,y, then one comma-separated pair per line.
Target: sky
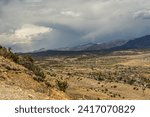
x,y
28,25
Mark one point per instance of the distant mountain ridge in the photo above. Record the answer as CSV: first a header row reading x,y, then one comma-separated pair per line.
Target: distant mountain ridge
x,y
94,46
103,46
77,48
137,43
40,50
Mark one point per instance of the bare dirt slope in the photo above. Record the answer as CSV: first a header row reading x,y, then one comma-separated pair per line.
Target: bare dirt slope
x,y
16,82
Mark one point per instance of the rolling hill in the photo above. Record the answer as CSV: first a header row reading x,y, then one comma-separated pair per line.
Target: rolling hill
x,y
19,79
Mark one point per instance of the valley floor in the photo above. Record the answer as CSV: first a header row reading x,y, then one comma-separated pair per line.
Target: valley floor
x,y
119,75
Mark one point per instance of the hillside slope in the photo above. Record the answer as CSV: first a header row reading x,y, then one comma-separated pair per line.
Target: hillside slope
x,y
18,82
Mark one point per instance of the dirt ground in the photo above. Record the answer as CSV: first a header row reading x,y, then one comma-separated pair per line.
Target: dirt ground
x,y
120,75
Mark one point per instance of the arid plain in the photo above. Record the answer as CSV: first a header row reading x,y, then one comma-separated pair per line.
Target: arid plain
x,y
116,75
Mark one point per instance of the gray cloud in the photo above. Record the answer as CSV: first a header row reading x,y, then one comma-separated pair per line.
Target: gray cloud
x,y
72,21
4,1
143,14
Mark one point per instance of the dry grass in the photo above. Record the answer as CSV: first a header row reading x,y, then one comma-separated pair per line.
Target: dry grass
x,y
17,83
101,77
89,77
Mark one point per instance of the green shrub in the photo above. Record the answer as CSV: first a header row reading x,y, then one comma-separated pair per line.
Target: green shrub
x,y
25,61
36,69
14,57
3,52
7,53
28,58
62,85
131,82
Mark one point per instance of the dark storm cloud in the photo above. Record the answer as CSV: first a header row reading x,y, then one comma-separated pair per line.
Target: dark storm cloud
x,y
4,1
58,23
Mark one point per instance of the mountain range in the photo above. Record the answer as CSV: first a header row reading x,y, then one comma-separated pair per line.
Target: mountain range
x,y
137,43
94,46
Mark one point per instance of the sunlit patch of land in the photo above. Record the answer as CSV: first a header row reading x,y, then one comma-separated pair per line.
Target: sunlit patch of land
x,y
118,75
